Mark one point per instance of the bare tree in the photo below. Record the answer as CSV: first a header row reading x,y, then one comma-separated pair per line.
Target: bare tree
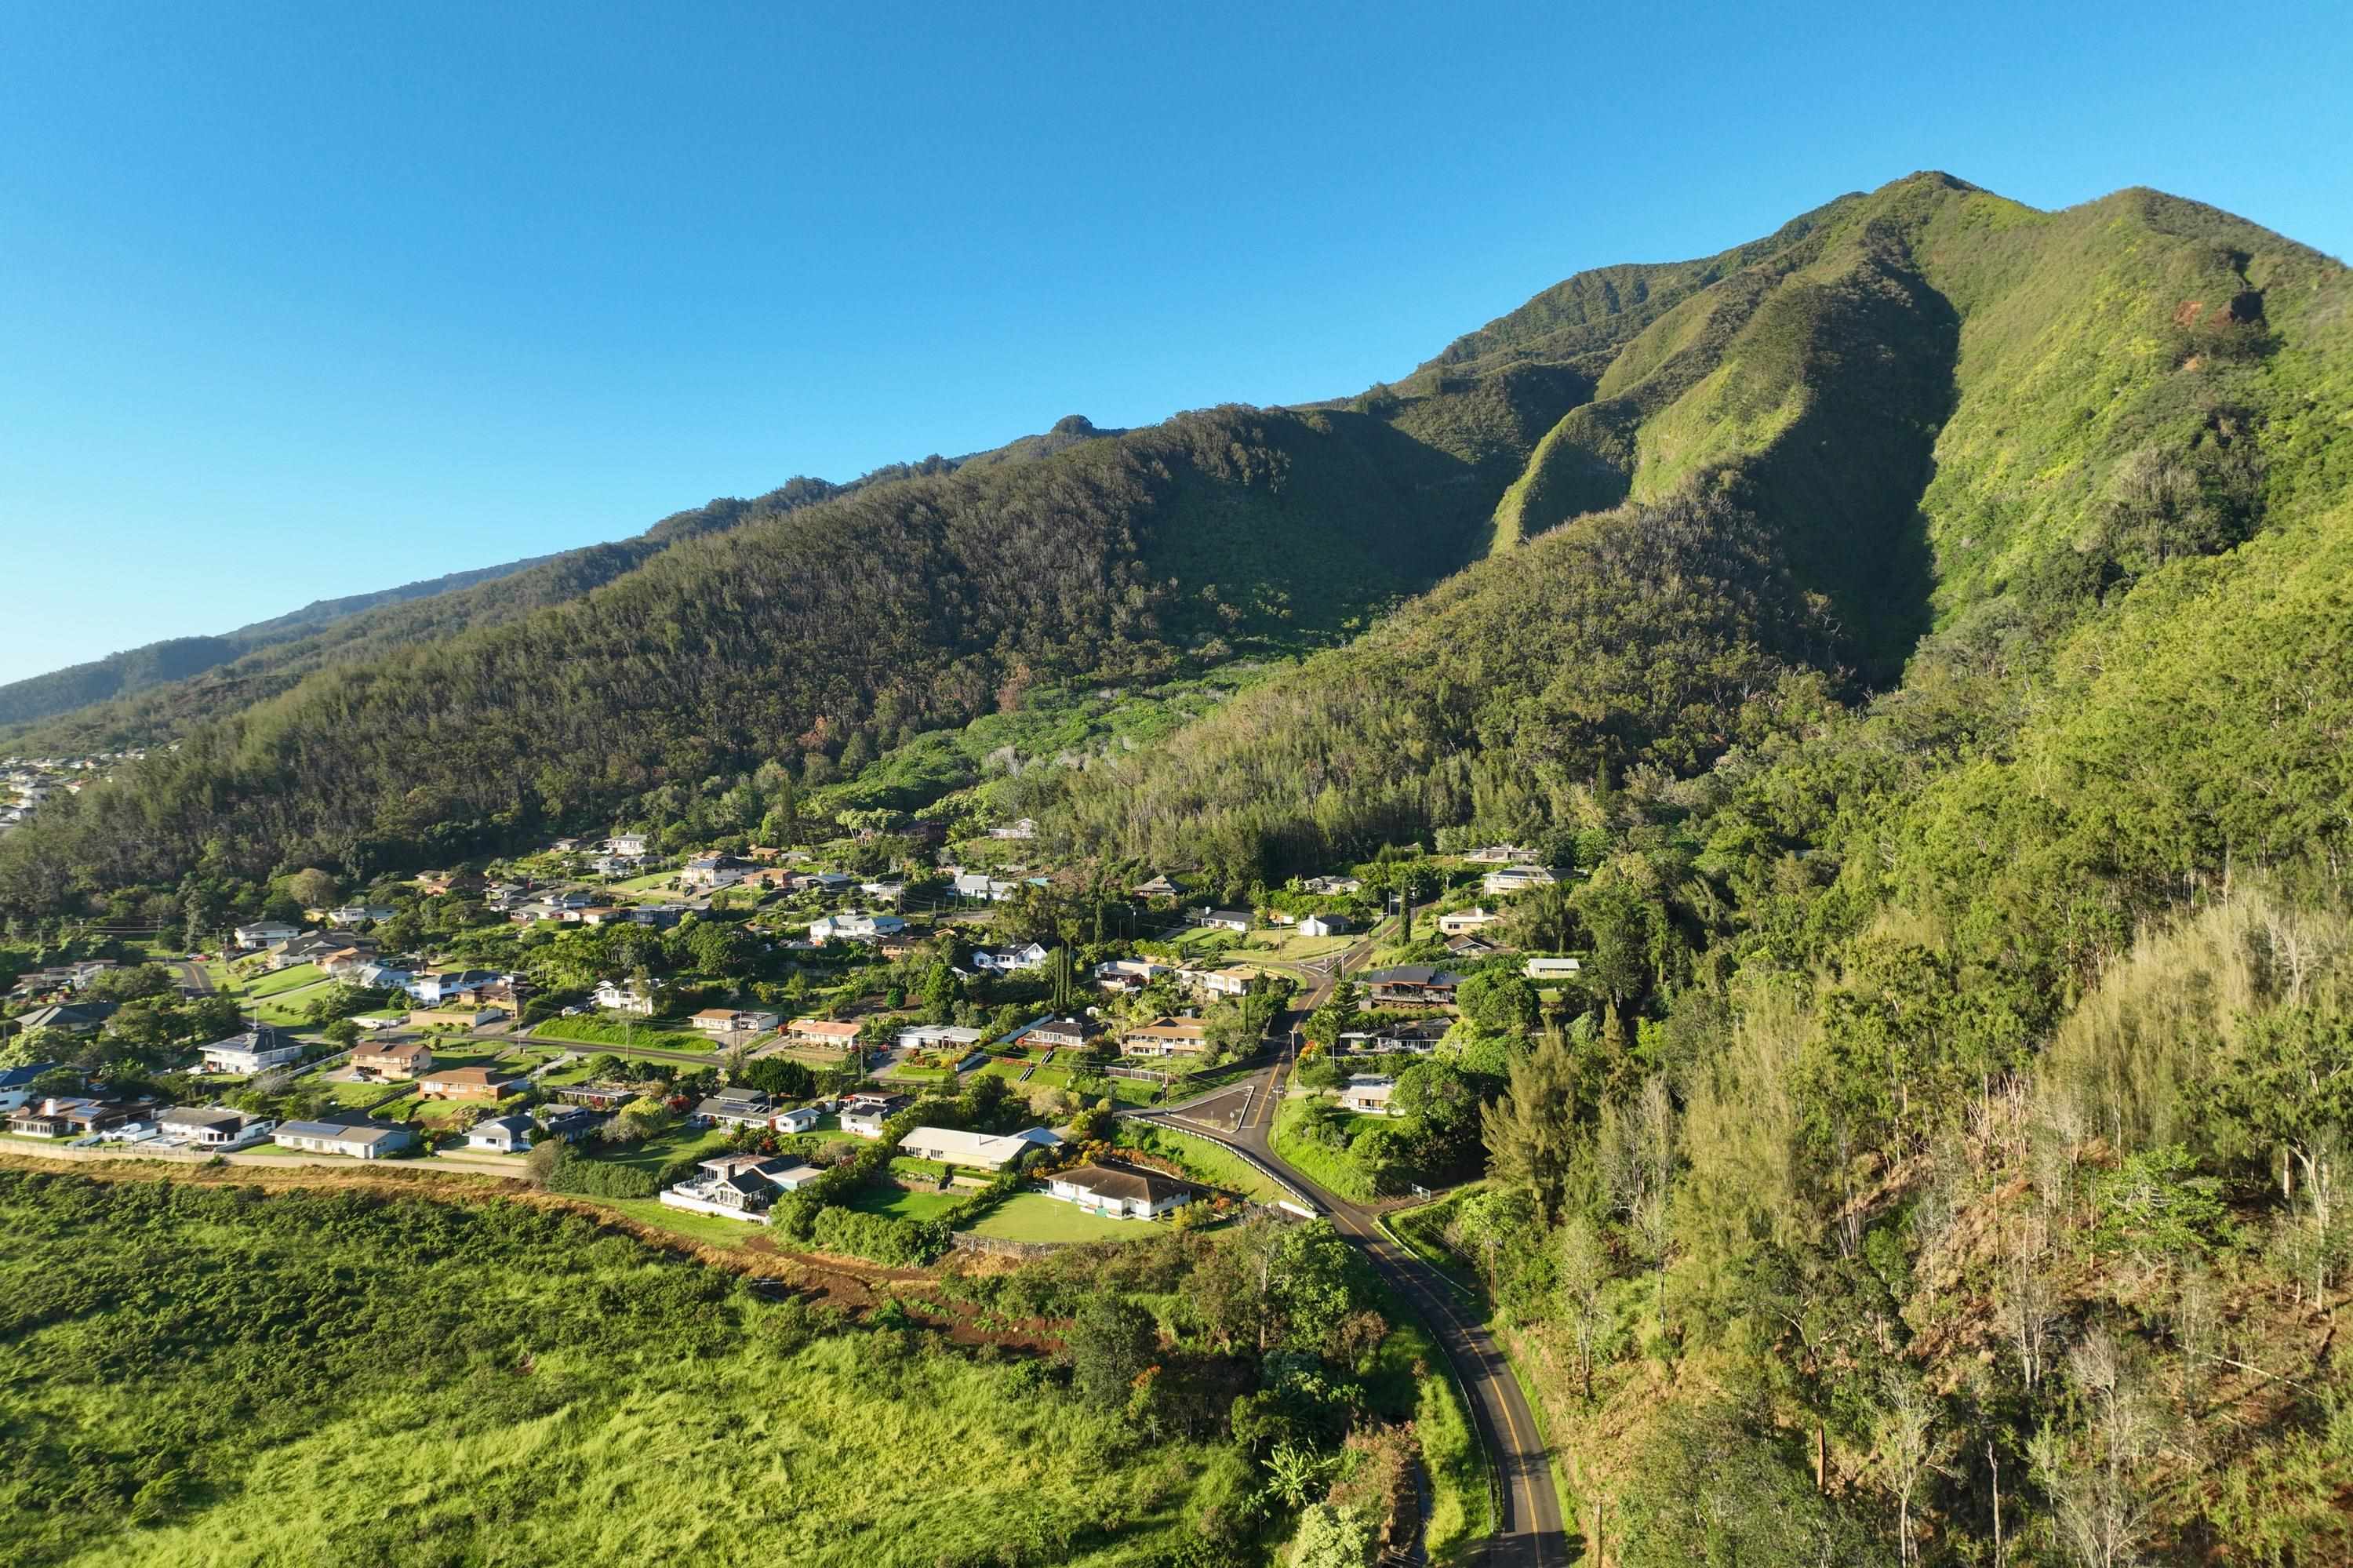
x,y
2027,1301
2097,1495
1584,1271
1907,1448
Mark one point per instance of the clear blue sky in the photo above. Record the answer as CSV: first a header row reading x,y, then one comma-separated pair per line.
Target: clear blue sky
x,y
297,301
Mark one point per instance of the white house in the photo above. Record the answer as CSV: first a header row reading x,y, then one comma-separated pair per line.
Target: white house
x,y
863,1114
1551,968
800,1118
209,1126
953,1146
977,884
625,998
1032,957
1129,974
261,933
257,1050
1462,922
1240,921
1323,925
1368,1095
1024,828
1118,1193
353,914
938,1038
1514,879
1231,980
1500,855
854,925
630,845
503,1134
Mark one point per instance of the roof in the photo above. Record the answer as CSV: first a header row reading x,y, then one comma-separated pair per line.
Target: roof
x,y
1123,1183
840,1028
1412,974
510,1123
203,1116
349,1131
1170,1029
957,1147
476,1076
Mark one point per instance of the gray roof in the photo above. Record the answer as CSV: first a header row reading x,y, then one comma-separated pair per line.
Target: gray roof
x,y
359,1132
203,1116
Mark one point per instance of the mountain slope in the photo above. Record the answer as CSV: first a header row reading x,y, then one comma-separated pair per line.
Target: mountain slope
x,y
119,674
1941,408
829,629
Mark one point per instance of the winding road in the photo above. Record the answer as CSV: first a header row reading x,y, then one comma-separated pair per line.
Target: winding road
x,y
1528,1532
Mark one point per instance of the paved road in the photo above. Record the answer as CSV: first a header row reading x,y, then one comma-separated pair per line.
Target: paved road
x,y
193,977
1528,1534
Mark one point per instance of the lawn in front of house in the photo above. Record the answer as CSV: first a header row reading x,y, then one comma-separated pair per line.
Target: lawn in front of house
x,y
652,1035
1035,1217
882,1198
292,978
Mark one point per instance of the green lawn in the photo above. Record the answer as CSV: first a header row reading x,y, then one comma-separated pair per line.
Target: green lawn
x,y
1203,1161
1328,1168
678,1143
653,1034
882,1198
708,1229
1035,1217
285,980
352,1095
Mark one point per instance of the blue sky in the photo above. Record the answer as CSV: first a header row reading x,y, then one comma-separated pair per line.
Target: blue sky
x,y
295,302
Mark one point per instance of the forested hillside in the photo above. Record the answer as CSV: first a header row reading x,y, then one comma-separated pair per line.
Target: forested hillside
x,y
826,631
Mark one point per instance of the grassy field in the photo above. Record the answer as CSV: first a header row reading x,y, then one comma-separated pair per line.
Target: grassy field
x,y
653,1034
575,1379
291,978
1461,1504
1206,1161
882,1198
1035,1217
1328,1168
678,1143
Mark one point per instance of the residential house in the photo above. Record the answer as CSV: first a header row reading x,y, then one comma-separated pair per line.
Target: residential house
x,y
979,884
734,1021
1024,828
257,1050
799,1118
1501,854
262,933
488,1083
1323,926
80,1018
212,1128
396,1061
1016,960
1333,886
1129,974
564,846
630,845
1469,947
822,881
1165,1037
626,997
384,977
1420,1036
1462,922
357,1136
1551,968
1514,879
1240,920
739,1186
353,914
938,1038
734,1110
1410,983
661,917
570,1124
714,871
900,944
854,925
1062,1034
312,946
863,1115
1160,887
1368,1094
1120,1191
78,1115
595,1096
452,985
348,963
835,1034
886,892
977,1151
503,1134
17,1083
1232,981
